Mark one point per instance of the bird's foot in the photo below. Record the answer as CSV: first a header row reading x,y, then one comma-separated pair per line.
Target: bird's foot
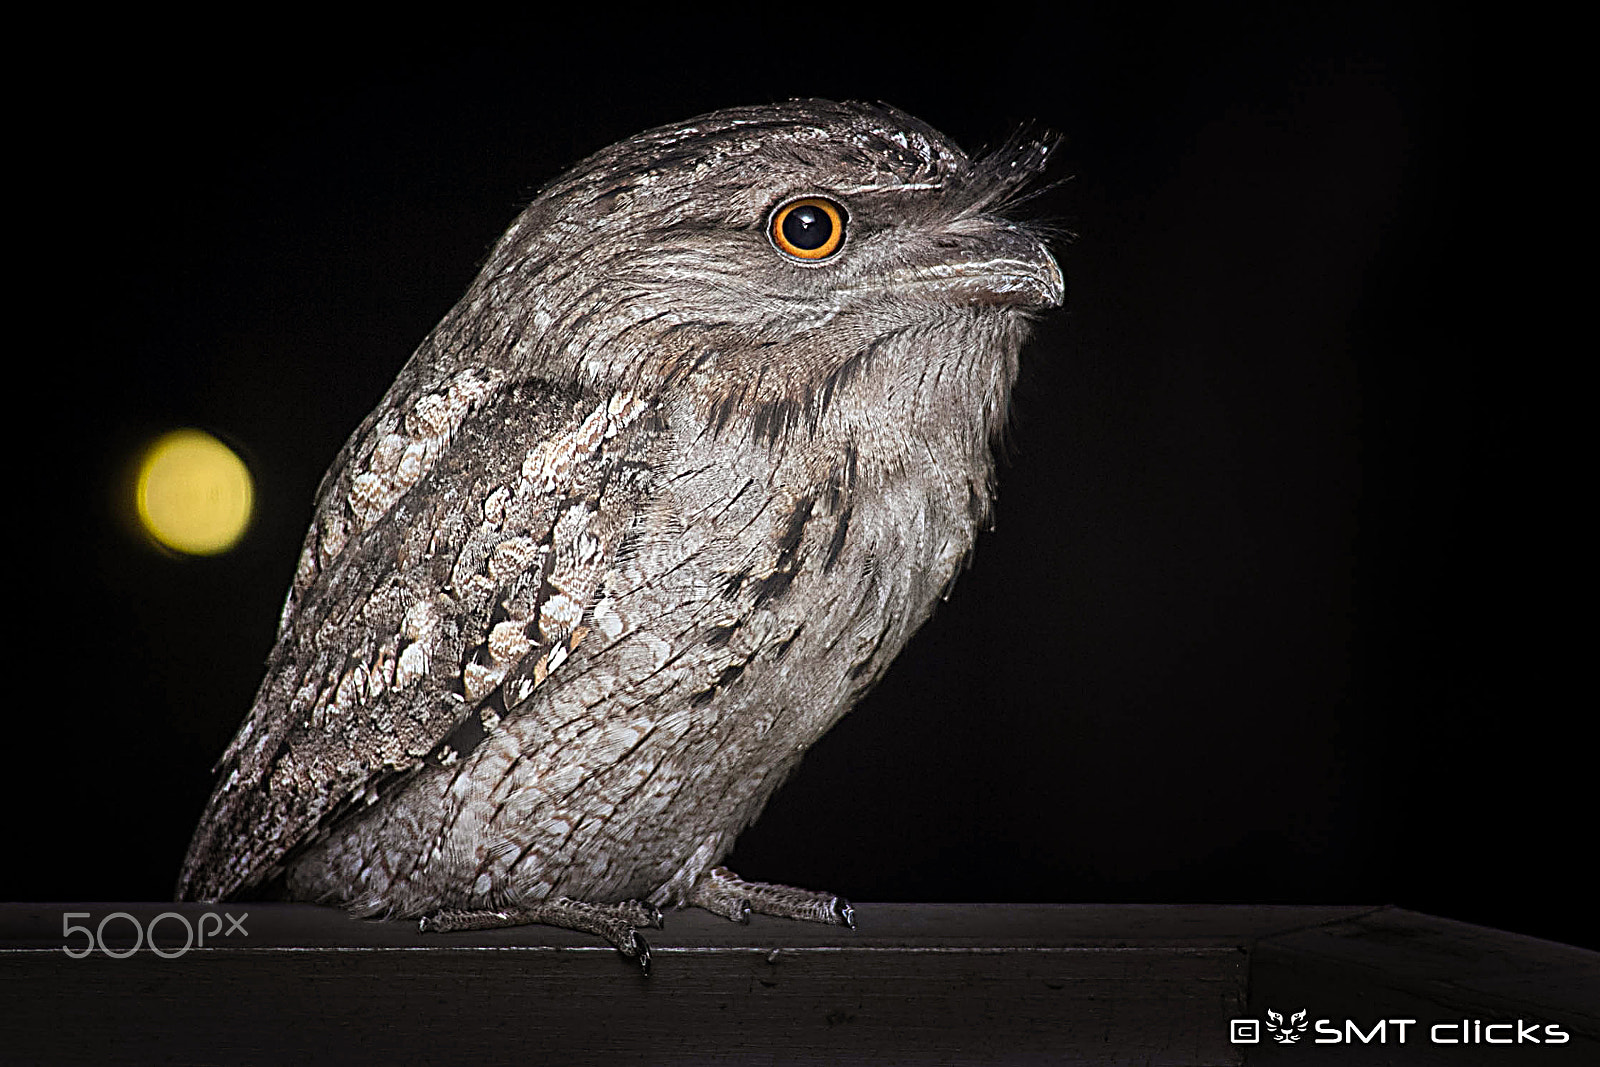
x,y
724,893
614,922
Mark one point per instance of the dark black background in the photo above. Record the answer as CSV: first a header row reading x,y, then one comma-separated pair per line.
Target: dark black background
x,y
1269,613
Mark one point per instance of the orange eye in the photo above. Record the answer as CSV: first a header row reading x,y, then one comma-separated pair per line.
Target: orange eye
x,y
812,228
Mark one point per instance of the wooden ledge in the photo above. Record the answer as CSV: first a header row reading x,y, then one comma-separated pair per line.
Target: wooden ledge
x,y
916,983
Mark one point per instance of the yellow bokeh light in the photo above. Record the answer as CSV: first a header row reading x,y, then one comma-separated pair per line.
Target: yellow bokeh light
x,y
193,493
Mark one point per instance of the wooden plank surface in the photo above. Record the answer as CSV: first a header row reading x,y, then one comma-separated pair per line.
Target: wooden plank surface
x,y
956,984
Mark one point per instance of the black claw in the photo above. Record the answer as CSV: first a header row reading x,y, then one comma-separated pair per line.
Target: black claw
x,y
744,913
657,920
642,953
846,914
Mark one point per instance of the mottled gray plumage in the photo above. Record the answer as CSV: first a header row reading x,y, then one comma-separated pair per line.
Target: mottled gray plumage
x,y
654,505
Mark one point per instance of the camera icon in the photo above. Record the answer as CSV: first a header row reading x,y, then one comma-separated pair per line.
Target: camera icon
x,y
1244,1031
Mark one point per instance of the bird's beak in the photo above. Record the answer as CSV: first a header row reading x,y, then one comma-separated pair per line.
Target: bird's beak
x,y
988,262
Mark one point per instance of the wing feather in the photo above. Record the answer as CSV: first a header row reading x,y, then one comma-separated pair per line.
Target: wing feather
x,y
457,550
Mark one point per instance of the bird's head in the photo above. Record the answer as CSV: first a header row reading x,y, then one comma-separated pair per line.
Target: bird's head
x,y
788,264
